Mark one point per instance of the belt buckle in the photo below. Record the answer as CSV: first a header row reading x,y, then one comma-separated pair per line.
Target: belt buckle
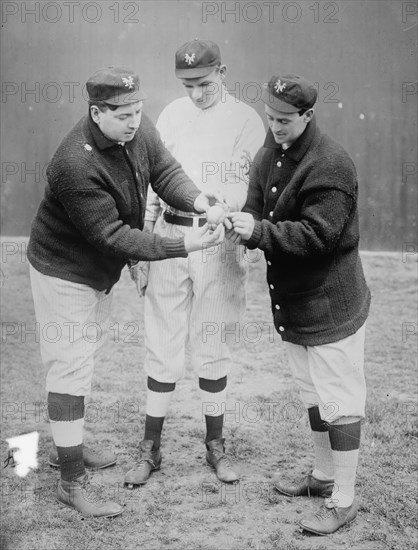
x,y
196,222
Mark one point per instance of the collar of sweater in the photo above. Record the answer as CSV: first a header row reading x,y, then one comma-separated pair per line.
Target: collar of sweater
x,y
298,149
101,141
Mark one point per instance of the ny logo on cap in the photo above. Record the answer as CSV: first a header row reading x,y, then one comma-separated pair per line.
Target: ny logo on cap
x,y
279,87
189,59
129,82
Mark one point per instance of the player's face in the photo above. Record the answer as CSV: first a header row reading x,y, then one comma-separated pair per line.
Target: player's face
x,y
206,91
121,124
287,127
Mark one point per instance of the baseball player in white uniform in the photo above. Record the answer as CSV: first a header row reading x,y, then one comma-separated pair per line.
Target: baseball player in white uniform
x,y
214,136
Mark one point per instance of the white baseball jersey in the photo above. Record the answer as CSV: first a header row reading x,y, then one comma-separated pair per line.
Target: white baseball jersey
x,y
214,146
195,301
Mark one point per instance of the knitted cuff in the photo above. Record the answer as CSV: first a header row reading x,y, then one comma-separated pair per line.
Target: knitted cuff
x,y
255,237
174,248
189,202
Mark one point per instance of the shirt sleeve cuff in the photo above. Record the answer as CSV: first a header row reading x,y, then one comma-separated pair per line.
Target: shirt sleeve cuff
x,y
254,240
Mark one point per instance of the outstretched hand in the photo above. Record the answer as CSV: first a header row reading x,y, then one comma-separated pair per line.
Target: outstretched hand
x,y
202,237
206,199
232,236
243,224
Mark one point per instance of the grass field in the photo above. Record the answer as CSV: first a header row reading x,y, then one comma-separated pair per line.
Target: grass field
x,y
183,506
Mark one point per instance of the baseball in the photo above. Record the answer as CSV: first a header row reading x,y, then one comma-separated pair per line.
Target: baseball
x,y
215,215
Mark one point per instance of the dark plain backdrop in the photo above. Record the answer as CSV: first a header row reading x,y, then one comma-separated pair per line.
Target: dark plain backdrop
x,y
361,54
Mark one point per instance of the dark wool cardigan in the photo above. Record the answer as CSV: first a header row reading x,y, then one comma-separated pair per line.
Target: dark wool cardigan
x,y
89,222
304,201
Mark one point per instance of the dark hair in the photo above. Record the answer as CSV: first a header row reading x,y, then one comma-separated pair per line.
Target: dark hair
x,y
300,113
102,105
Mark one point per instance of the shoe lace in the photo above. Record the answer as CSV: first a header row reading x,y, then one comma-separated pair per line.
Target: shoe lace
x,y
83,481
324,513
145,458
91,492
221,456
144,461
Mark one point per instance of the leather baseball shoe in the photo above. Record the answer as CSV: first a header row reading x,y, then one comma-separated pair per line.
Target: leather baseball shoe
x,y
93,460
308,487
328,520
220,462
81,496
149,462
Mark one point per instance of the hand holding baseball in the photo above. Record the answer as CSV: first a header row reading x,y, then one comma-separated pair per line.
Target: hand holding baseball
x,y
203,238
215,215
206,198
243,224
232,236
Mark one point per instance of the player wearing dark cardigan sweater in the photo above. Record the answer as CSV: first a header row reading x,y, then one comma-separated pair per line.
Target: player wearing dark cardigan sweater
x,y
89,223
308,230
88,226
302,212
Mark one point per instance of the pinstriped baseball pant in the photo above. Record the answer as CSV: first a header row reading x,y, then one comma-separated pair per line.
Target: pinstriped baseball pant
x,y
192,303
73,324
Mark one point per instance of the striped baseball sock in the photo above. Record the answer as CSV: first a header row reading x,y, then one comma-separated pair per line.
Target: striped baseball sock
x,y
213,395
345,444
66,417
324,465
159,396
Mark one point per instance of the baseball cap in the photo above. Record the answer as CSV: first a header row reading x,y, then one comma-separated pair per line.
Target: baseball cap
x,y
197,58
289,93
115,85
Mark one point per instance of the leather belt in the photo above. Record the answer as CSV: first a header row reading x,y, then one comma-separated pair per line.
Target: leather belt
x,y
183,220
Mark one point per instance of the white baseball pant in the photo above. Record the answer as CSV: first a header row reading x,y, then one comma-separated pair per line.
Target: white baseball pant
x,y
331,376
185,297
73,324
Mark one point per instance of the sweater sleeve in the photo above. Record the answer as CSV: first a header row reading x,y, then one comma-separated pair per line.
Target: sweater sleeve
x,y
326,201
93,211
323,218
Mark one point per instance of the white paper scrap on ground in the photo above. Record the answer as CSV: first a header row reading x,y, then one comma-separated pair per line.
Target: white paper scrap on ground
x,y
27,452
